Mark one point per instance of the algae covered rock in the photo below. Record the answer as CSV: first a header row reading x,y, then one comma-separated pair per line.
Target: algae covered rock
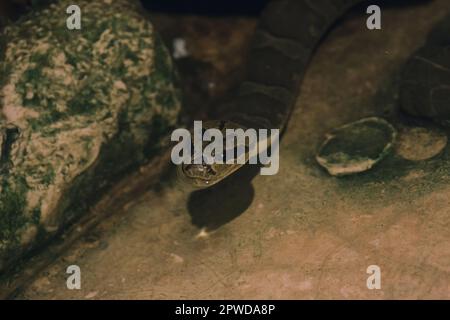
x,y
79,108
356,147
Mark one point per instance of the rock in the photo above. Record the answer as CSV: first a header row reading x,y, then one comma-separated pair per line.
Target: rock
x,y
417,144
356,147
79,109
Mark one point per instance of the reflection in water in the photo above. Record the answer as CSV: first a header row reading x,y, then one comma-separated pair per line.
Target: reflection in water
x,y
213,207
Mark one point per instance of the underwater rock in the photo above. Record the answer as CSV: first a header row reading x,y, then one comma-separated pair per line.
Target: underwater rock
x,y
356,147
417,144
79,109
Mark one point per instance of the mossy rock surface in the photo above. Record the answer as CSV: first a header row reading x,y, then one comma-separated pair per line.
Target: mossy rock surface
x,y
79,109
356,147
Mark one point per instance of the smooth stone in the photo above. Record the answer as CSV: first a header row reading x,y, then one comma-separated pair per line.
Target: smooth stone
x,y
418,144
356,147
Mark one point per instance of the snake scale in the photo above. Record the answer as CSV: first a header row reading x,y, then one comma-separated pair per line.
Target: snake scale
x,y
289,31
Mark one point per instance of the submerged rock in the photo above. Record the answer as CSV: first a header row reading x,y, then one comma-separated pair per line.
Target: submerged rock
x,y
418,144
356,147
78,110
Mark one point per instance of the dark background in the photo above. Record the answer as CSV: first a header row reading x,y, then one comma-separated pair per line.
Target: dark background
x,y
216,7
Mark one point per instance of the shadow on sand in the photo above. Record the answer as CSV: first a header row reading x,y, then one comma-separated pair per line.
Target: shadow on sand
x,y
214,207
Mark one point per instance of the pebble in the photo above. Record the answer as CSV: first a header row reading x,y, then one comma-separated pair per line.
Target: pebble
x,y
356,147
418,144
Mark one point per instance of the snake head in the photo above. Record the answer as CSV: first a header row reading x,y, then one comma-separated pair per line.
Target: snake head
x,y
200,174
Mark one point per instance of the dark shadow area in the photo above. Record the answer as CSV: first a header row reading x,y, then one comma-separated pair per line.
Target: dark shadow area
x,y
247,7
399,3
206,7
213,207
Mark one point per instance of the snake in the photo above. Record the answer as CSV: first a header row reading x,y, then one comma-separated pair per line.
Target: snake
x,y
288,33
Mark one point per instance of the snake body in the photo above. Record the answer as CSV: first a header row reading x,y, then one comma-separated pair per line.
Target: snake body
x,y
287,36
288,33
